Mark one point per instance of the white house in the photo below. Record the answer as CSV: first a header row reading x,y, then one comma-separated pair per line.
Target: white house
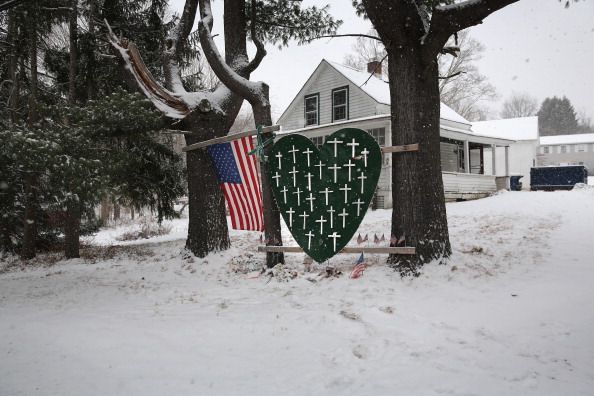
x,y
575,149
337,96
522,153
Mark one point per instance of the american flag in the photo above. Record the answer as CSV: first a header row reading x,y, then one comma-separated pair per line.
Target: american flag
x,y
358,268
238,176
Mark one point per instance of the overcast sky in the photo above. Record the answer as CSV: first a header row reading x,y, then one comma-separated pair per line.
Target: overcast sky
x,y
533,46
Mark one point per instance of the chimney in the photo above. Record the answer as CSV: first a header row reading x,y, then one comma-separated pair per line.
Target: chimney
x,y
374,66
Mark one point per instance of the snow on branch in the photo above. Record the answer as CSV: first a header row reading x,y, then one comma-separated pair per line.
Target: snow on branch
x,y
178,35
344,35
447,20
164,100
459,16
251,91
260,50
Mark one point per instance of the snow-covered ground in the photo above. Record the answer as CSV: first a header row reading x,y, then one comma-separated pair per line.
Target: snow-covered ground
x,y
510,315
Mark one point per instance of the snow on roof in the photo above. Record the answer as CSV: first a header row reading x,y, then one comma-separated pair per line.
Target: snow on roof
x,y
567,139
522,128
379,90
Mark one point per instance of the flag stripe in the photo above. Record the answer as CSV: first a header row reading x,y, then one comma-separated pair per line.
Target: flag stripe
x,y
241,154
232,210
252,175
240,182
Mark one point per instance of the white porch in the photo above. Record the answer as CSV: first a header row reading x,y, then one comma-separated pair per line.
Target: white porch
x,y
465,173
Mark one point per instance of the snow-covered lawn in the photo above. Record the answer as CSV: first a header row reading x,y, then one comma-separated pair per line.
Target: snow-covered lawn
x,y
510,315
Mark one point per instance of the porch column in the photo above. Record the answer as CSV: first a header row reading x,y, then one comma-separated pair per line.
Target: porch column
x,y
507,161
466,157
493,160
507,181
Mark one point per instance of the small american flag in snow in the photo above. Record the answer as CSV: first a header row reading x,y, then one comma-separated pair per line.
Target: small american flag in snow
x,y
238,175
358,268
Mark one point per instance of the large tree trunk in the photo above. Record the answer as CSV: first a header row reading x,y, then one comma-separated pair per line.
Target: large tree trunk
x,y
13,98
72,230
105,211
90,52
272,225
29,223
73,209
207,227
28,250
419,212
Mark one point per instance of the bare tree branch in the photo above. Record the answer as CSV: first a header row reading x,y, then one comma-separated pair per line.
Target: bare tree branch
x,y
454,51
375,70
260,50
447,20
229,77
450,76
177,37
166,102
344,35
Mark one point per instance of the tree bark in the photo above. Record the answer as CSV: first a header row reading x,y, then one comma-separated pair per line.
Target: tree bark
x,y
116,211
73,209
90,52
72,230
13,98
272,224
73,36
207,227
29,223
419,213
105,211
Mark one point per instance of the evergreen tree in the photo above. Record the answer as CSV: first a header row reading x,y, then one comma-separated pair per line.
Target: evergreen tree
x,y
557,117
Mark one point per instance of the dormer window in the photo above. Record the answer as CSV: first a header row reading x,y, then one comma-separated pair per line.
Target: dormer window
x,y
340,104
312,109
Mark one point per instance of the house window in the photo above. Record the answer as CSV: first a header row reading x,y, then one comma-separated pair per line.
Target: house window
x,y
546,150
312,109
580,148
317,140
562,149
379,134
340,104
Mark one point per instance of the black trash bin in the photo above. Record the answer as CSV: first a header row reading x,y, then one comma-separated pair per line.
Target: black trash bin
x,y
514,183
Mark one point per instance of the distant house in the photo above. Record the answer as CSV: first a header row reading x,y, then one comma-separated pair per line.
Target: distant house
x,y
337,96
522,152
567,150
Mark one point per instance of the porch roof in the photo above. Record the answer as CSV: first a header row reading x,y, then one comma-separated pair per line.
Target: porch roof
x,y
446,131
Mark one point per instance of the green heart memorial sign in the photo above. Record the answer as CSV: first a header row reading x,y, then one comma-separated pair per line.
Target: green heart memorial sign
x,y
324,194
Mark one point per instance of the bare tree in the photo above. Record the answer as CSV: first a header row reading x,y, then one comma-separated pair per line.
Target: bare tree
x,y
366,50
519,105
585,122
461,86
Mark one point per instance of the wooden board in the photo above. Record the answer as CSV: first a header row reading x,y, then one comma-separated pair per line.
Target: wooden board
x,y
401,149
347,249
228,138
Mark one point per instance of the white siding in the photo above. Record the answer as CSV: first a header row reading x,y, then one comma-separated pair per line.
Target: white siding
x,y
522,157
324,80
457,185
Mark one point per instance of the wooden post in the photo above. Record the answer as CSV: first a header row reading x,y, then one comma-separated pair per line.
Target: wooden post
x,y
493,159
466,156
